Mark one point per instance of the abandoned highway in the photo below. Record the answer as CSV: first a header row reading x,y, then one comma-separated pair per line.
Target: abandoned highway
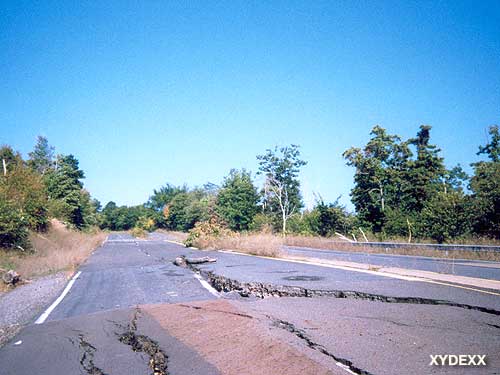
x,y
130,310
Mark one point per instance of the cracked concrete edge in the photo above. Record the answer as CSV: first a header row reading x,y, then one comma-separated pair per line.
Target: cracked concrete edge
x,y
261,290
158,359
400,273
87,357
346,364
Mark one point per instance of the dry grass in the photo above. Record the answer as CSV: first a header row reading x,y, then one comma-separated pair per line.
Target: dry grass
x,y
174,235
252,243
334,244
58,249
138,232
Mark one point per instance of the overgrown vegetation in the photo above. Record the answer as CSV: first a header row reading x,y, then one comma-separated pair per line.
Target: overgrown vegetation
x,y
402,188
35,190
214,236
402,191
57,249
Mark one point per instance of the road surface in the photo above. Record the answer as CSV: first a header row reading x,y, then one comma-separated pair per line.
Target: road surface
x,y
132,311
461,267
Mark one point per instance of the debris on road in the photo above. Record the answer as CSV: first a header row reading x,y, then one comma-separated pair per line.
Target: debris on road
x,y
183,261
10,277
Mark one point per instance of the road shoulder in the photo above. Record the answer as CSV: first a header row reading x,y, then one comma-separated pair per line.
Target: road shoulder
x,y
21,305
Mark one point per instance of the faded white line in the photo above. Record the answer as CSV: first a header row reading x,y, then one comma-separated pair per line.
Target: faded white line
x,y
346,368
47,312
206,285
175,242
125,241
181,244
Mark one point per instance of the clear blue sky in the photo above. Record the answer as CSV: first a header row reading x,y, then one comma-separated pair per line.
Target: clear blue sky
x,y
149,92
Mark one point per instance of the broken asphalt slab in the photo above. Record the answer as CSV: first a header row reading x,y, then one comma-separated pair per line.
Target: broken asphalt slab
x,y
94,344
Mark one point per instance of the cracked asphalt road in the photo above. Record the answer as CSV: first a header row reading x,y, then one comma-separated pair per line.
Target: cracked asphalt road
x,y
131,311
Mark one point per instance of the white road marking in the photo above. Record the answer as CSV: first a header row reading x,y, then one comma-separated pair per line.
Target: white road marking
x,y
18,342
346,368
47,312
181,244
175,242
206,285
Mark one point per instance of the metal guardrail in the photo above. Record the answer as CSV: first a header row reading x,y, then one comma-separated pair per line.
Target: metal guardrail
x,y
441,247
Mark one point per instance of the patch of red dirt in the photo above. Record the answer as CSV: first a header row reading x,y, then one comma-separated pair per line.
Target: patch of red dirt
x,y
233,341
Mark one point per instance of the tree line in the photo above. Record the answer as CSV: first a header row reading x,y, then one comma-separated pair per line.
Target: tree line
x,y
402,188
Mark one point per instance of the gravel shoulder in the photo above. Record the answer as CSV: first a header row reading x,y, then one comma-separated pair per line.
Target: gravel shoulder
x,y
21,305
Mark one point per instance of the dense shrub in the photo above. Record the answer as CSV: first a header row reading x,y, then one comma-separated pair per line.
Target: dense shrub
x,y
146,223
206,233
237,200
13,226
138,232
24,189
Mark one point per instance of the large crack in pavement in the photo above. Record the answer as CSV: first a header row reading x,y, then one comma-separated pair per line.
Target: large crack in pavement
x,y
87,358
262,290
342,362
141,343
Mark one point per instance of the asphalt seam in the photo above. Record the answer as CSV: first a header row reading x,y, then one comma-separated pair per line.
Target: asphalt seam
x,y
343,363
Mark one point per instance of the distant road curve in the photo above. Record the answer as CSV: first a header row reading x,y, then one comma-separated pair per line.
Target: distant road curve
x,y
441,247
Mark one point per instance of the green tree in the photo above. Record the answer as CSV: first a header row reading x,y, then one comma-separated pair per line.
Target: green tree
x,y
445,216
281,193
64,190
124,218
164,195
492,149
186,209
109,216
373,178
330,218
391,186
237,200
13,226
426,172
41,159
9,159
485,186
25,190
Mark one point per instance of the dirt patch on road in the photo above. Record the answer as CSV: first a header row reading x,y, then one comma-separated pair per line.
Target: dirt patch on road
x,y
235,342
